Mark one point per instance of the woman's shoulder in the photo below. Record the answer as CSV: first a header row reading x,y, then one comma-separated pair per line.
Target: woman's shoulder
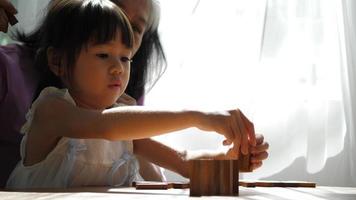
x,y
14,51
10,48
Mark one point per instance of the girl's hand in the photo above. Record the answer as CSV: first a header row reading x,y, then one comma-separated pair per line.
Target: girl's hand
x,y
127,99
234,126
258,152
6,7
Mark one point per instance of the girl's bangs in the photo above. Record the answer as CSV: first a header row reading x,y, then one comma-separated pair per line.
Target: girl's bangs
x,y
102,23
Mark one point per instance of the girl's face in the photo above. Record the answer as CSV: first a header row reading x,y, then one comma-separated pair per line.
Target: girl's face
x,y
138,12
101,74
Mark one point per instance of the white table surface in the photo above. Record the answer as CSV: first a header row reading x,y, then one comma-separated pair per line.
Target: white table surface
x,y
258,193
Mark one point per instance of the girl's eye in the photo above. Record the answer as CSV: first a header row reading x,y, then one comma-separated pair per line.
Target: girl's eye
x,y
102,55
125,59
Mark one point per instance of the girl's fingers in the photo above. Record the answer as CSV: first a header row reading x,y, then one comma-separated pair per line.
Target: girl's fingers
x,y
255,166
237,134
255,158
243,133
250,128
260,148
259,139
227,142
232,154
230,136
127,99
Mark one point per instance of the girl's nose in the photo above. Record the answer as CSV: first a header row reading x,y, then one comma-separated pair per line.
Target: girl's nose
x,y
117,67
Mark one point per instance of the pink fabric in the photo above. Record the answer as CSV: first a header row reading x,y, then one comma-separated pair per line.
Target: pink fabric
x,y
17,89
141,100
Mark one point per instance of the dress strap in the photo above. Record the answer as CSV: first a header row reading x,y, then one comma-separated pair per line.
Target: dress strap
x,y
125,158
74,146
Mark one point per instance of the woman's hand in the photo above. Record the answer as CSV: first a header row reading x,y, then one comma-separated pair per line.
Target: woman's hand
x,y
258,152
7,10
235,126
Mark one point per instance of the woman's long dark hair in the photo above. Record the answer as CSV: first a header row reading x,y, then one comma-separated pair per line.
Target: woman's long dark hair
x,y
149,62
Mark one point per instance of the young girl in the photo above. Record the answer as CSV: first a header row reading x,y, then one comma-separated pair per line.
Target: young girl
x,y
75,134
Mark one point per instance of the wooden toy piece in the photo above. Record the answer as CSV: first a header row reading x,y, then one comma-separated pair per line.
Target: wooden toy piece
x,y
235,179
12,19
276,184
284,184
213,177
180,185
154,185
151,185
247,183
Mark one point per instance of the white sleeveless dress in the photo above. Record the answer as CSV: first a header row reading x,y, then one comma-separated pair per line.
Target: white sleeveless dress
x,y
75,162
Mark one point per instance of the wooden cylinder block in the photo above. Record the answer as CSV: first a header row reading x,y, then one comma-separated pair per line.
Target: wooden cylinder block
x,y
214,177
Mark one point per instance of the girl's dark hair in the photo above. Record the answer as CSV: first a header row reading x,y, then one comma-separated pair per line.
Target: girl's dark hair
x,y
149,63
68,27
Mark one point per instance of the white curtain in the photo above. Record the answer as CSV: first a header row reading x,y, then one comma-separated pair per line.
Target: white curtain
x,y
347,29
287,64
29,12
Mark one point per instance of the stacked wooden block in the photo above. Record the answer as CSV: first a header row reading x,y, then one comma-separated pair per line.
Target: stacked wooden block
x,y
210,177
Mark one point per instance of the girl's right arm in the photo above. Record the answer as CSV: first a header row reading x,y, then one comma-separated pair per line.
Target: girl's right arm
x,y
59,118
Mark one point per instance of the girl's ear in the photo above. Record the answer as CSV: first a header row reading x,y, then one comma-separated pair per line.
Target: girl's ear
x,y
54,61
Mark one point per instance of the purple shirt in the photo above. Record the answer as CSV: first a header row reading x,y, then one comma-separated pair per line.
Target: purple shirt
x,y
18,83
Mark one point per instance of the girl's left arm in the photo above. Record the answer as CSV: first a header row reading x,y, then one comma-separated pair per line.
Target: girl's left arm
x,y
148,170
162,155
177,161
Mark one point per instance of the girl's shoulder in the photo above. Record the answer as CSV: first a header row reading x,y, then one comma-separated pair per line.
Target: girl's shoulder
x,y
50,101
53,92
52,96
